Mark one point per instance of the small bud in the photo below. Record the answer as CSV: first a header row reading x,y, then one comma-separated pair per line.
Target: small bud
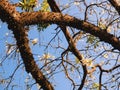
x,y
34,41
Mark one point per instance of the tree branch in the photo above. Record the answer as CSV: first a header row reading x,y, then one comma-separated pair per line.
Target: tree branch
x,y
12,17
109,70
115,5
71,43
60,19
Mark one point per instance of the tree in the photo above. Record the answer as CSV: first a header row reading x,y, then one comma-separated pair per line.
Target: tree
x,y
89,56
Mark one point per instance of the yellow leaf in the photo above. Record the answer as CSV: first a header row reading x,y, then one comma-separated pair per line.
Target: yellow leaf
x,y
101,25
77,60
95,86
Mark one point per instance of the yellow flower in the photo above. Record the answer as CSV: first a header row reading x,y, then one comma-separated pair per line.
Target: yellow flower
x,y
88,62
46,56
105,55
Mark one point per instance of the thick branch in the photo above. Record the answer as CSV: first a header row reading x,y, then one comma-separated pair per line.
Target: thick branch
x,y
12,17
27,56
60,19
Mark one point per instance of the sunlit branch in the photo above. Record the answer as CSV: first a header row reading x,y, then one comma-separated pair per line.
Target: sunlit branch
x,y
12,17
66,20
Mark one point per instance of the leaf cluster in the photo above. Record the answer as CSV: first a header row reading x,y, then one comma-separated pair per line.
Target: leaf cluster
x,y
27,5
44,8
93,40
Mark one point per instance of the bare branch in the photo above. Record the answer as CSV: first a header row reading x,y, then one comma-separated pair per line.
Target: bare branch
x,y
72,45
115,5
110,70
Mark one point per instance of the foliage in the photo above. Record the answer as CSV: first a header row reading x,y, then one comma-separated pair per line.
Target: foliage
x,y
95,86
93,40
101,25
44,8
28,5
42,26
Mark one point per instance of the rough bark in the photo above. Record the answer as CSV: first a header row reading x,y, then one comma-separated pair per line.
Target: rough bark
x,y
12,17
60,19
